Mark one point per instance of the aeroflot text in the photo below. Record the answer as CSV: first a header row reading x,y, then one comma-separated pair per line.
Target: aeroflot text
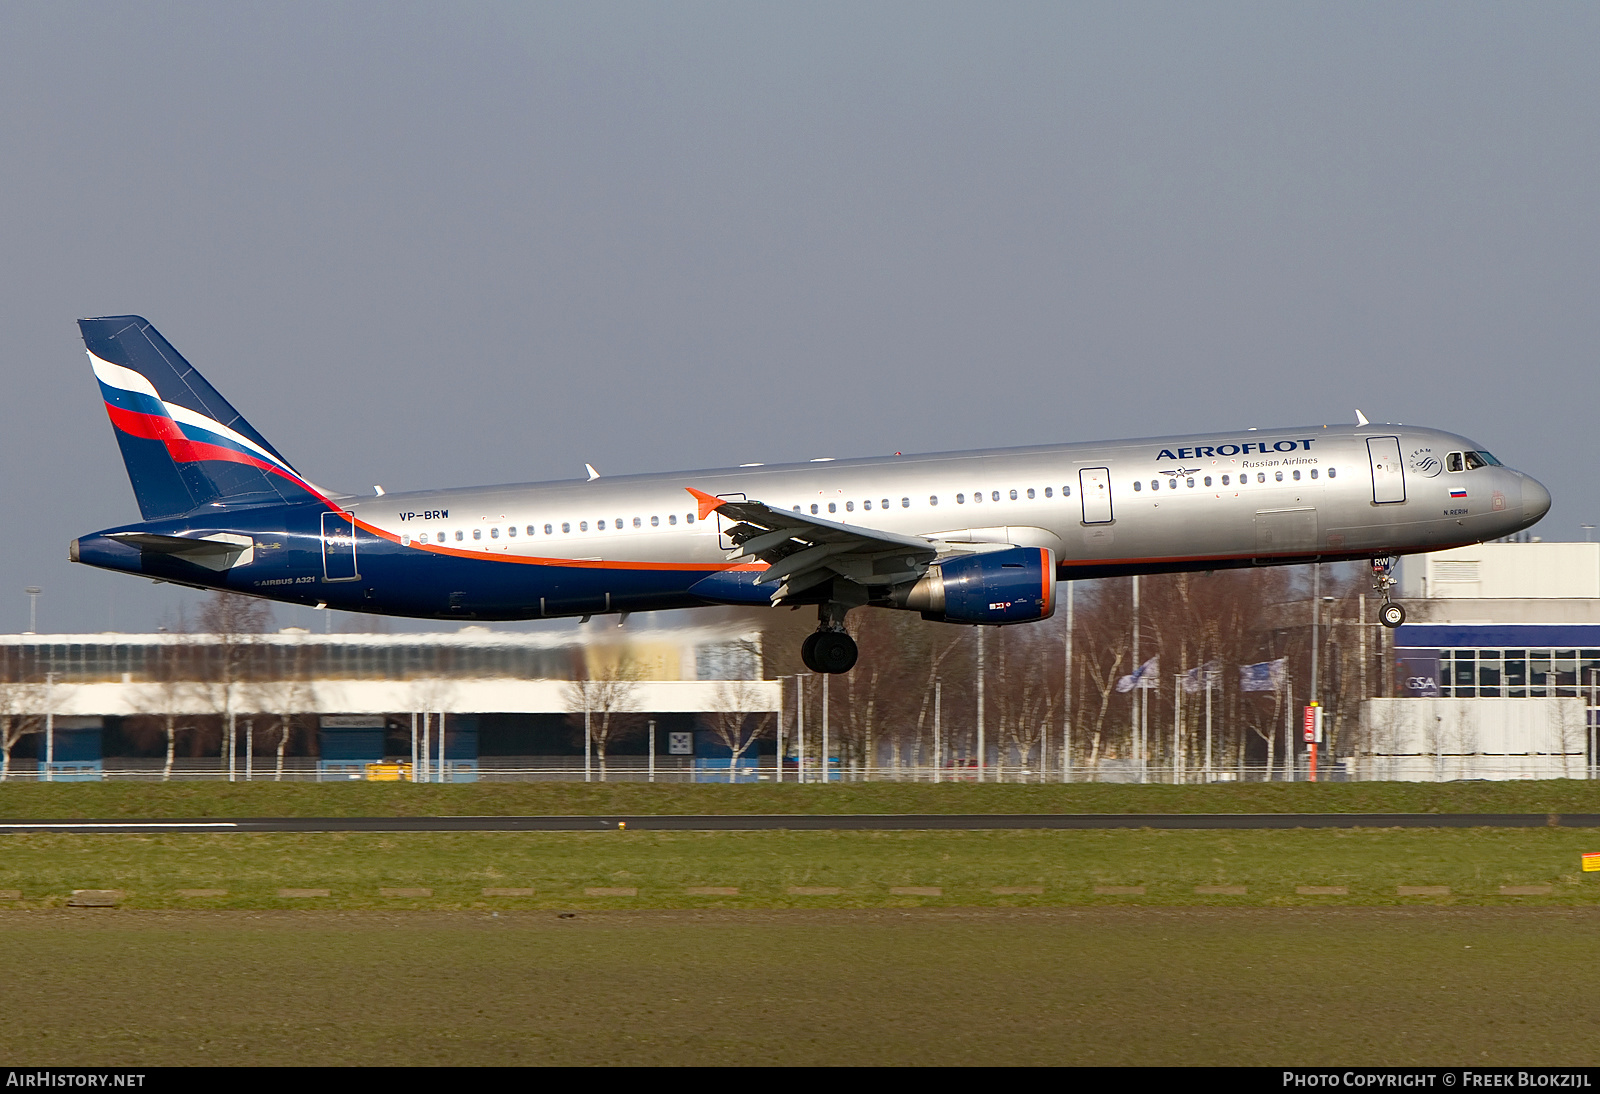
x,y
1263,447
1404,1079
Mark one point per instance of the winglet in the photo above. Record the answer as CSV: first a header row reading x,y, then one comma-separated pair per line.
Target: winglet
x,y
708,504
1361,419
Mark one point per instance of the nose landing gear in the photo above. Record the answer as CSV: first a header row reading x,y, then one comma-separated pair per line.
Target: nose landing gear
x,y
1391,615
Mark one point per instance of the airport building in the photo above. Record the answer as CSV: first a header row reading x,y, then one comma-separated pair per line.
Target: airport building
x,y
332,705
1497,669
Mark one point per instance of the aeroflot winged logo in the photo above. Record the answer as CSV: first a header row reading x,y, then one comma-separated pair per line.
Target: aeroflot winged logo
x,y
1247,448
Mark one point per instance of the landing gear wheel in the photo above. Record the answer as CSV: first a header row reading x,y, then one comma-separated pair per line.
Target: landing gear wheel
x,y
833,652
1392,615
808,651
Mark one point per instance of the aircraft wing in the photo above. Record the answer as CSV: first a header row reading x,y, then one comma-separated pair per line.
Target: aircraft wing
x,y
802,550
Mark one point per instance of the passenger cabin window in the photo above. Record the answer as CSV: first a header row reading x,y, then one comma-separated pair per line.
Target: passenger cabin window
x,y
1278,475
548,529
977,496
1047,492
1313,472
1261,476
494,533
1030,493
849,507
933,499
636,523
1208,480
672,518
459,537
655,522
688,518
1066,492
1224,480
1137,485
961,499
1453,462
583,526
600,526
833,507
866,505
886,502
512,531
565,526
1332,472
813,508
477,533
905,503
1013,495
1172,483
618,524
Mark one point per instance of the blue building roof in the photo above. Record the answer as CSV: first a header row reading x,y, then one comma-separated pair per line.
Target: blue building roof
x,y
1492,635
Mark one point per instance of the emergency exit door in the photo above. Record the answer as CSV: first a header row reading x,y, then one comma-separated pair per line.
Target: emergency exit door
x,y
1094,488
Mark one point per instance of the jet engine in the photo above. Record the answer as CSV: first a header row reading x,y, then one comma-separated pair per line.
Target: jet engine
x,y
1017,585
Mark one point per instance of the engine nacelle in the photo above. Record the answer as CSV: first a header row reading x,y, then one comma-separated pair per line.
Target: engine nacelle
x,y
1012,586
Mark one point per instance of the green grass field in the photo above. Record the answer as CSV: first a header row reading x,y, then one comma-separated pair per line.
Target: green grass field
x,y
1339,987
262,799
1065,867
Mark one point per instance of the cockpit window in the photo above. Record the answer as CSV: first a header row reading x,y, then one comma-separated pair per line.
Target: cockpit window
x,y
1475,461
1452,462
1488,459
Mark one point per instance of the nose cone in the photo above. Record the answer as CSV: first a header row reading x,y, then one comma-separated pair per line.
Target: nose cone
x,y
1535,500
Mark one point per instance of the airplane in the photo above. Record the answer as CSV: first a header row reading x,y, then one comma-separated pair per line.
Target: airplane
x,y
977,538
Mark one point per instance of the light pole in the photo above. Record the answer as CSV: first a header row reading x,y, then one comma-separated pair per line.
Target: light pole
x,y
33,592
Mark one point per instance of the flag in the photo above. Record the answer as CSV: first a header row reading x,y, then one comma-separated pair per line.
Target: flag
x,y
1262,676
1147,675
1195,679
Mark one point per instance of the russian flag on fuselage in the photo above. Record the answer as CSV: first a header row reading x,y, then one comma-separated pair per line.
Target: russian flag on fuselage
x,y
184,446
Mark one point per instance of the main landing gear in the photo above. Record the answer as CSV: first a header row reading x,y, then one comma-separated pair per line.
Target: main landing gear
x,y
1391,614
830,650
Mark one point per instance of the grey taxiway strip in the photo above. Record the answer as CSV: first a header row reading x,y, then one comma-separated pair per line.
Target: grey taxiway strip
x,y
823,822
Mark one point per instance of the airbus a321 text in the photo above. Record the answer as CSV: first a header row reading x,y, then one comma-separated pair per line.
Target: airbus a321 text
x,y
962,537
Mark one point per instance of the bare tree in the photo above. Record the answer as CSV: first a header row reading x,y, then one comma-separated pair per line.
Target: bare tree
x,y
233,623
736,719
602,700
19,716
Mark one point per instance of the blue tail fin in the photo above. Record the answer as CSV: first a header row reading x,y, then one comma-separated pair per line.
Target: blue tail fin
x,y
185,447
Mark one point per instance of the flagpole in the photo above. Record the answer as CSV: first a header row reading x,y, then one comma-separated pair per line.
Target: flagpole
x,y
1137,749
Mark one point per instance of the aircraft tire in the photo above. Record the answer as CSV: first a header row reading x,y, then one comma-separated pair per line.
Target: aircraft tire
x,y
808,651
834,652
1392,615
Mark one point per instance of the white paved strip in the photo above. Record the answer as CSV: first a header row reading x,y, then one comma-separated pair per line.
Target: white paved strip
x,y
46,825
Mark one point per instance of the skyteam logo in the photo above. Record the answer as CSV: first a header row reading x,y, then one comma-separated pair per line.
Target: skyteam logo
x,y
1423,462
1201,452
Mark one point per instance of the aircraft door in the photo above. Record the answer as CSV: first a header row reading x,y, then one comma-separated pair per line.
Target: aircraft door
x,y
1388,474
338,548
1094,488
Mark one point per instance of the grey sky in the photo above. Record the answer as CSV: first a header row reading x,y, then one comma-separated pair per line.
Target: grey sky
x,y
445,244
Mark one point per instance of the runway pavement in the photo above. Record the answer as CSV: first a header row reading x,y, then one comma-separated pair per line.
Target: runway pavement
x,y
820,822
